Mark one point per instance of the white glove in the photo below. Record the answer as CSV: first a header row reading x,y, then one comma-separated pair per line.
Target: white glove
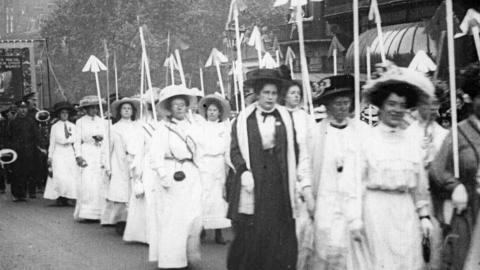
x,y
460,198
427,227
138,189
247,181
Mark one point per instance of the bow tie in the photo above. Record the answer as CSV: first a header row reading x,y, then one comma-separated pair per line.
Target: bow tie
x,y
266,114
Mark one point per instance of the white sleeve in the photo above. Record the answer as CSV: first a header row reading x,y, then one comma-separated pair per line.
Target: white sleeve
x,y
51,147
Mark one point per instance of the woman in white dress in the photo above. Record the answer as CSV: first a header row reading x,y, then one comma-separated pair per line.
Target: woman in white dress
x,y
62,185
123,148
179,195
90,152
141,207
213,163
396,200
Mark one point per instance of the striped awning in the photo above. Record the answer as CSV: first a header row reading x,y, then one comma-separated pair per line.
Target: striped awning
x,y
401,42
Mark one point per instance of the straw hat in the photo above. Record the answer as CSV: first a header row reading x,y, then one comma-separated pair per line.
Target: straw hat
x,y
135,102
91,100
391,74
218,100
172,91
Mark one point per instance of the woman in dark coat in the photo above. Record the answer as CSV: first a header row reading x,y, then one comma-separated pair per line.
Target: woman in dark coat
x,y
464,191
269,176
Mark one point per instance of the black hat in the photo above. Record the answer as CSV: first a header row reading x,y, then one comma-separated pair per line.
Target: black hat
x,y
334,86
62,105
265,75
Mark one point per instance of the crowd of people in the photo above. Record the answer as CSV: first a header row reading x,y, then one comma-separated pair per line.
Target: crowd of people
x,y
299,192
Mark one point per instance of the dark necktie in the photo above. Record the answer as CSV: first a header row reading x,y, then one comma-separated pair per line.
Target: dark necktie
x,y
266,114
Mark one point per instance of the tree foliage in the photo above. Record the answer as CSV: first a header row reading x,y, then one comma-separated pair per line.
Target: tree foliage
x,y
78,29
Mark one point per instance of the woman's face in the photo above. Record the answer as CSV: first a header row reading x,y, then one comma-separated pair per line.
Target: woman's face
x,y
339,108
293,96
428,110
267,97
213,113
126,111
64,115
476,106
92,110
178,108
393,110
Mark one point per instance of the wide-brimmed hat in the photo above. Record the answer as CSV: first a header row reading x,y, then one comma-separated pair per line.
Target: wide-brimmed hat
x,y
420,85
62,105
218,100
135,102
91,100
333,86
172,91
265,74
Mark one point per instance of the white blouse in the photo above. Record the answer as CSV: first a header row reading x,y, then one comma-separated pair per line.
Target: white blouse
x,y
62,133
392,161
266,126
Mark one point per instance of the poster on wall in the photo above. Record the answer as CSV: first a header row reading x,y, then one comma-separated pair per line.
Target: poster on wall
x,y
11,79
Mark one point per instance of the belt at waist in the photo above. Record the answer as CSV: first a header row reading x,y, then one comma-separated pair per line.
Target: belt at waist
x,y
386,190
180,160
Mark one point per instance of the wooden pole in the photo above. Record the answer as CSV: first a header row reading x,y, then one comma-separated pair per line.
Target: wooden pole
x,y
235,85
202,85
378,21
147,71
303,61
452,83
99,95
277,53
239,57
116,73
171,61
356,53
142,84
335,71
369,64
180,67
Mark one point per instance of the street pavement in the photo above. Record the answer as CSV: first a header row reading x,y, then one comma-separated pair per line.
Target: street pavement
x,y
37,235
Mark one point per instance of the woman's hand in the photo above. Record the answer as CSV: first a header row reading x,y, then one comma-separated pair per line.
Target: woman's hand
x,y
427,226
309,200
248,183
460,198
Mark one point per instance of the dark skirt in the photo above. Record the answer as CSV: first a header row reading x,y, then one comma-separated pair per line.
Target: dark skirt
x,y
266,240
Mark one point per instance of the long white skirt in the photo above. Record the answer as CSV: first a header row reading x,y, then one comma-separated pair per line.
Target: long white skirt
x,y
178,213
213,175
65,174
393,231
91,188
136,228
